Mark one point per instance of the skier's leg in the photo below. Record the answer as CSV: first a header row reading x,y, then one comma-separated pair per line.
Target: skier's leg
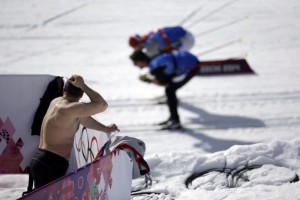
x,y
172,103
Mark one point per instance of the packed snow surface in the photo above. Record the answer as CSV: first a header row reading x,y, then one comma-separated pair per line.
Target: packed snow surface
x,y
232,123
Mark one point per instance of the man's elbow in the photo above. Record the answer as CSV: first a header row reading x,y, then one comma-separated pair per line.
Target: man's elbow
x,y
103,106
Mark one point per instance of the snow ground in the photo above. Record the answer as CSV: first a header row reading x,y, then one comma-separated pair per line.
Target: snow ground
x,y
245,119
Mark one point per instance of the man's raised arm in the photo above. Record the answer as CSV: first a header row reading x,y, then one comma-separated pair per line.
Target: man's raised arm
x,y
97,101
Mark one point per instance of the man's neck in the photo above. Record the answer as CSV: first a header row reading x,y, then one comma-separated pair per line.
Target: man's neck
x,y
71,99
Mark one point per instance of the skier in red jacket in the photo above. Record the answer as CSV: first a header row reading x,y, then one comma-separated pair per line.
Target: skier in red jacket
x,y
163,40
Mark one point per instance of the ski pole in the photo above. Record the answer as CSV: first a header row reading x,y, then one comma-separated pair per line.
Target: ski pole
x,y
220,47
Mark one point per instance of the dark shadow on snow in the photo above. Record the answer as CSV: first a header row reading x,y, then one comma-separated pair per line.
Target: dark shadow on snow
x,y
215,121
210,144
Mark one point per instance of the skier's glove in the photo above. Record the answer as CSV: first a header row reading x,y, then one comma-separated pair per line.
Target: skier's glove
x,y
145,78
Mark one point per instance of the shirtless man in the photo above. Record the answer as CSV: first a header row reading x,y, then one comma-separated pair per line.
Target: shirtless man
x,y
59,126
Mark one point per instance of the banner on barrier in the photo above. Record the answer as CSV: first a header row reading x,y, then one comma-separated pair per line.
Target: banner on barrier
x,y
108,177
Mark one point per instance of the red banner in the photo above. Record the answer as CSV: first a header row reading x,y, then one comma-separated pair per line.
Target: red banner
x,y
224,67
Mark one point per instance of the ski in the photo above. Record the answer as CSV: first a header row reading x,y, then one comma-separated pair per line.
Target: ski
x,y
158,128
160,100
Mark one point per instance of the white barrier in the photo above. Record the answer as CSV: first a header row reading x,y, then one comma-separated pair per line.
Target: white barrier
x,y
19,98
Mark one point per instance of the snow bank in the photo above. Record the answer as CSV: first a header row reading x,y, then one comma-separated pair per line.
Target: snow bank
x,y
278,163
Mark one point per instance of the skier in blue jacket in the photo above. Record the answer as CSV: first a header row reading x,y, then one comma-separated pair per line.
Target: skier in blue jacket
x,y
171,70
163,40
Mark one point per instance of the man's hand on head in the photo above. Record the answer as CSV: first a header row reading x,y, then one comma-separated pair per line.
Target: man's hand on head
x,y
77,81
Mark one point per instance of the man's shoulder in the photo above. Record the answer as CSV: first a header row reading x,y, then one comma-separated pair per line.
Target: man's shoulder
x,y
61,103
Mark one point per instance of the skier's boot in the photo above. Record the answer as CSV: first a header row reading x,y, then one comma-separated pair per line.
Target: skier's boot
x,y
172,125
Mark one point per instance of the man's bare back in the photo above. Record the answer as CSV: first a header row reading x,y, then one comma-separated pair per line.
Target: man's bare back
x,y
59,128
64,115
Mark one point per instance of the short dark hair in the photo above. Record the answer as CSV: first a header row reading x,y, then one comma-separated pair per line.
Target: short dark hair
x,y
139,56
72,90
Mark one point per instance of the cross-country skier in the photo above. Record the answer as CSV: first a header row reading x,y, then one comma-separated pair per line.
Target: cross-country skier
x,y
163,40
59,127
171,70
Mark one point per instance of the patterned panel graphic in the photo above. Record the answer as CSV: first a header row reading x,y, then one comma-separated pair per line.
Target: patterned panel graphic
x,y
10,155
94,181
